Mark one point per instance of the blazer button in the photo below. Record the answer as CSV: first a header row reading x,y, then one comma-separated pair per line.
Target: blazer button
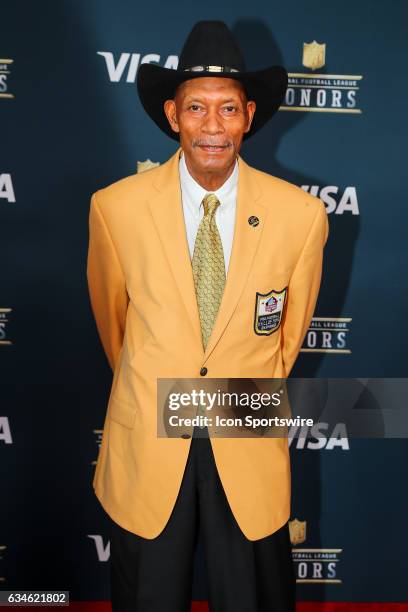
x,y
203,371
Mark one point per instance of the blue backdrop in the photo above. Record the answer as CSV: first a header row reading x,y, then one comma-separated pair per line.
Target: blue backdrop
x,y
71,123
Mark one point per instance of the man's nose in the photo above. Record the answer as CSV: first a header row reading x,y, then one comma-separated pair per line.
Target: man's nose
x,y
212,123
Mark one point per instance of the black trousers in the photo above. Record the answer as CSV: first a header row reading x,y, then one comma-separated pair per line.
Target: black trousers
x,y
242,575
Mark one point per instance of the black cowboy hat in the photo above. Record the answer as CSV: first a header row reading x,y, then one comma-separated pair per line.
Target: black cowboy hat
x,y
210,50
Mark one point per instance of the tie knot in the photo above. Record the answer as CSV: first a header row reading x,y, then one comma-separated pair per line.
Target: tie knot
x,y
210,203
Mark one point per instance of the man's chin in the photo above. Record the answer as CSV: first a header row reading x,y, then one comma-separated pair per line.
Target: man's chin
x,y
214,161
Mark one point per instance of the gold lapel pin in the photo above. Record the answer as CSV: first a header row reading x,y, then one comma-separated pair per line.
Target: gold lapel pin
x,y
254,221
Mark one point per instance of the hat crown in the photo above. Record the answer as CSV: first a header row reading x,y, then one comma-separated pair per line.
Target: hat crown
x,y
210,43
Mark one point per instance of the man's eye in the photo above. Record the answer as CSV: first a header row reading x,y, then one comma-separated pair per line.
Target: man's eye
x,y
230,109
195,107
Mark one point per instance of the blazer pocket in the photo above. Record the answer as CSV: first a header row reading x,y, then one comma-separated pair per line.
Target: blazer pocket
x,y
122,412
269,294
268,282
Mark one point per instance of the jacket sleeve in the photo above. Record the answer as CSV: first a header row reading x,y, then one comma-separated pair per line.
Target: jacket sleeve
x,y
303,290
106,285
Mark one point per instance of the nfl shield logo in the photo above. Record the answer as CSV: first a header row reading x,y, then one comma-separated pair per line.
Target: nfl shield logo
x,y
297,531
143,166
314,55
268,311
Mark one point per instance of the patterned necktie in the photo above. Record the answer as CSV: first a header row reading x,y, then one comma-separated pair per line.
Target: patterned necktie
x,y
208,267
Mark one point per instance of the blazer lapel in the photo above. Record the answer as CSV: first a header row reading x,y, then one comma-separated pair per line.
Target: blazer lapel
x,y
167,211
244,246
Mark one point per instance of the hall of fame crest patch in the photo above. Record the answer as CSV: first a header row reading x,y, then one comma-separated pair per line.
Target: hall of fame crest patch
x,y
269,311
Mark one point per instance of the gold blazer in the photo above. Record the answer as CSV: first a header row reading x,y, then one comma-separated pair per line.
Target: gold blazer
x,y
143,298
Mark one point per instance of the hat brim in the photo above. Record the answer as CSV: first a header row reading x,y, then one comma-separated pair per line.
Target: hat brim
x,y
156,84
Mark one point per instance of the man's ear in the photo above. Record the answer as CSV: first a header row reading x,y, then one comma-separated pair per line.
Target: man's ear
x,y
169,108
251,108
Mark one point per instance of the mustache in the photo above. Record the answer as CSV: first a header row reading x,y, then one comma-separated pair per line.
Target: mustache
x,y
210,143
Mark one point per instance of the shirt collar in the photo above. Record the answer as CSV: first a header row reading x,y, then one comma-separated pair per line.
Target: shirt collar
x,y
195,193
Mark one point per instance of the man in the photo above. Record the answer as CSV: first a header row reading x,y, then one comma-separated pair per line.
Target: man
x,y
179,259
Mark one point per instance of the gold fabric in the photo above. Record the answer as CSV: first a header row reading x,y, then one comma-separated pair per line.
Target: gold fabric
x,y
208,272
208,267
138,474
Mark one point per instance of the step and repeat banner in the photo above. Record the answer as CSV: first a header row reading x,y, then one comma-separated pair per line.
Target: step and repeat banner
x,y
71,123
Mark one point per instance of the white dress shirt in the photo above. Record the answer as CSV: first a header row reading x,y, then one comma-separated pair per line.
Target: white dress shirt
x,y
192,195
